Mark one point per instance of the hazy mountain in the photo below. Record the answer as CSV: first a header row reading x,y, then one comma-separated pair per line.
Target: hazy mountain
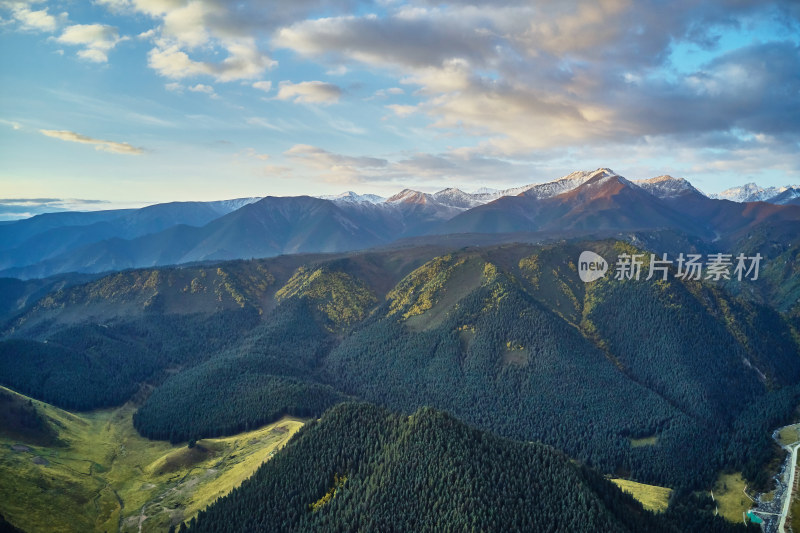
x,y
48,236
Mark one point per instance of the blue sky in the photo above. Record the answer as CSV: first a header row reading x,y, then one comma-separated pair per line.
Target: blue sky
x,y
114,103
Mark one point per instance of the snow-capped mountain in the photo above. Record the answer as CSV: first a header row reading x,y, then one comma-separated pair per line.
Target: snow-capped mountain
x,y
564,184
667,186
458,198
223,207
350,196
750,192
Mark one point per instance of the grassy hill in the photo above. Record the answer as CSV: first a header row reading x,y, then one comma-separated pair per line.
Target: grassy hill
x,y
93,472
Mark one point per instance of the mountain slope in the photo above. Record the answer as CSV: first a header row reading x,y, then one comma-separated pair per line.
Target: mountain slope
x,y
363,468
601,200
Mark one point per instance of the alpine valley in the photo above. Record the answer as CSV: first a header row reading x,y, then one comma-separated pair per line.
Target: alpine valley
x,y
423,362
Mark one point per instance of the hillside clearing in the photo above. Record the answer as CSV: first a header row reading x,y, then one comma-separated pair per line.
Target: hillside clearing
x,y
652,497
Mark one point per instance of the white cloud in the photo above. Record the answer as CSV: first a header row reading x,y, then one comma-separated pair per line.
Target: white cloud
x,y
97,39
105,146
188,29
30,19
244,61
315,92
336,168
402,110
525,77
205,89
263,86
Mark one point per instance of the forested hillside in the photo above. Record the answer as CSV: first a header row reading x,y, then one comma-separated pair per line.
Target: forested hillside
x,y
663,382
361,468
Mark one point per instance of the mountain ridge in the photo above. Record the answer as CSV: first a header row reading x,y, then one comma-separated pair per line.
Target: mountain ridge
x,y
260,227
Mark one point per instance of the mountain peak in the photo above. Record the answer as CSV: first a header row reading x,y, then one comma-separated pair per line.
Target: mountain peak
x,y
750,192
666,186
565,183
351,196
409,196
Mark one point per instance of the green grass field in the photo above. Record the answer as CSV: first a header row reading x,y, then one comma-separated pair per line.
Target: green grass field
x,y
730,497
789,435
646,441
652,497
102,475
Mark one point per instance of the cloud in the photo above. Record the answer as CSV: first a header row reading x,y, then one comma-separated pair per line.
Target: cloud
x,y
251,152
244,61
333,167
314,92
11,123
420,169
31,20
97,40
524,77
402,110
205,89
263,86
185,31
263,123
19,208
105,146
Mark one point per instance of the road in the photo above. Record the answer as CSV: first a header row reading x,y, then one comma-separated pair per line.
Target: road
x,y
788,499
775,511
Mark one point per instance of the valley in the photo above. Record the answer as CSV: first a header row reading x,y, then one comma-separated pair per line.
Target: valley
x,y
95,473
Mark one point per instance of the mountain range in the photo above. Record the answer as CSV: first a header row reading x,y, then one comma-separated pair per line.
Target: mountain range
x,y
185,232
665,383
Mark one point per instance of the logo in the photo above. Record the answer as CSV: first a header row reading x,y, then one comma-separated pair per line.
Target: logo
x,y
591,266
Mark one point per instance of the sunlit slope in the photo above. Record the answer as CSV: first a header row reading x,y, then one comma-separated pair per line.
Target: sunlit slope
x,y
93,472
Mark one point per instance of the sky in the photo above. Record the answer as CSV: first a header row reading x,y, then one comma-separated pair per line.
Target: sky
x,y
118,103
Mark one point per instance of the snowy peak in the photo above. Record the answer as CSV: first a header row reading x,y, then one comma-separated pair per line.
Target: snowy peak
x,y
410,196
457,198
667,187
567,183
750,192
223,207
353,197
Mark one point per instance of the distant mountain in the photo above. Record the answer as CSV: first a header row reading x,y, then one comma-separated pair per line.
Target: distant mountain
x,y
750,192
579,203
40,238
350,196
668,187
587,201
